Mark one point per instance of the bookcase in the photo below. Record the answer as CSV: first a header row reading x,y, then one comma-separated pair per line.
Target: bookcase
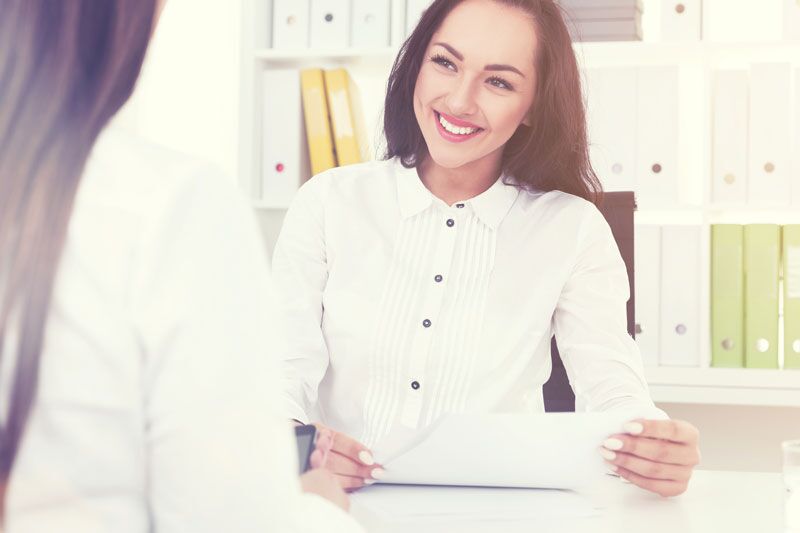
x,y
696,62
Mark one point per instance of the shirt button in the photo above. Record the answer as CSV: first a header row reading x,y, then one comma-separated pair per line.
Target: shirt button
x,y
426,323
450,222
415,385
438,278
460,206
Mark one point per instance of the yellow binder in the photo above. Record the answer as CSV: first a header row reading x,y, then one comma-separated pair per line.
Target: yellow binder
x,y
318,124
761,270
791,296
344,102
727,295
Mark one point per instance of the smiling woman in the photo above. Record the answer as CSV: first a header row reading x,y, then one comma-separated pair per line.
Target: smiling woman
x,y
433,281
521,86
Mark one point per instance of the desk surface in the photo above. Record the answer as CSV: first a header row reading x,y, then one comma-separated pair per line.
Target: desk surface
x,y
724,502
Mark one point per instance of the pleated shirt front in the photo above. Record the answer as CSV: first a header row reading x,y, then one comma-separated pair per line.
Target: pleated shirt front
x,y
398,308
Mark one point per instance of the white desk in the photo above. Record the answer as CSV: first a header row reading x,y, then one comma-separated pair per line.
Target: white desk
x,y
724,502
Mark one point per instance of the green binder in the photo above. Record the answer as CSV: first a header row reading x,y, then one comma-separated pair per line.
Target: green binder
x,y
727,295
791,296
761,271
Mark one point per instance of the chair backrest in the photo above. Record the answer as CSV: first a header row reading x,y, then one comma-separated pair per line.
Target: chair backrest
x,y
617,208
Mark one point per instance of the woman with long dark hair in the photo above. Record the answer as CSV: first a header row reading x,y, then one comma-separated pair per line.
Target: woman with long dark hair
x,y
433,281
137,394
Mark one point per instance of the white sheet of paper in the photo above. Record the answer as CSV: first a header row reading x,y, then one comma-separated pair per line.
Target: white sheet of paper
x,y
551,450
410,502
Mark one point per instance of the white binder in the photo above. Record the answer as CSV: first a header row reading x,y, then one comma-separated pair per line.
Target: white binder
x,y
414,9
742,20
647,288
290,24
729,137
330,24
794,181
657,136
611,97
681,20
680,296
769,165
284,153
369,26
791,20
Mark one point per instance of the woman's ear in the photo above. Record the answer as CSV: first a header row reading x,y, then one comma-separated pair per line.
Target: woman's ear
x,y
527,120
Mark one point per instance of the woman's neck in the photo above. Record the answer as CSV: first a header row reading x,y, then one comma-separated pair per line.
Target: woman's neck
x,y
462,183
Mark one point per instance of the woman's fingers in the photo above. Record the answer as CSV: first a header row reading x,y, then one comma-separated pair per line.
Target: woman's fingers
x,y
661,451
340,464
661,487
353,449
646,468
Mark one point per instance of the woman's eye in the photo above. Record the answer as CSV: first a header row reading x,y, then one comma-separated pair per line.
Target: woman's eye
x,y
501,84
443,61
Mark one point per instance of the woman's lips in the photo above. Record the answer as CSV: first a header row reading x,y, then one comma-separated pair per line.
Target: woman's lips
x,y
454,137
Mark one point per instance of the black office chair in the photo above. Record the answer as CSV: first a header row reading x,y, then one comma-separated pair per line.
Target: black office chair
x,y
618,208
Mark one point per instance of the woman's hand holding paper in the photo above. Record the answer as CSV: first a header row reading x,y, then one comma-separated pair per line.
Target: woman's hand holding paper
x,y
656,455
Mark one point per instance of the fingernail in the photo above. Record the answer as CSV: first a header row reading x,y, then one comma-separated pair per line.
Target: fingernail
x,y
634,428
377,473
608,455
369,481
365,457
613,444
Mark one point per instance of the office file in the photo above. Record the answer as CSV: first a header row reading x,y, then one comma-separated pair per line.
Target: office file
x,y
680,296
611,97
681,20
729,137
349,132
330,24
794,179
317,120
769,166
791,296
369,26
414,9
727,295
791,20
742,20
290,24
761,271
285,158
647,268
657,137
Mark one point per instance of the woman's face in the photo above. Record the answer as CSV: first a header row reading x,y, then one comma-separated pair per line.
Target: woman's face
x,y
477,82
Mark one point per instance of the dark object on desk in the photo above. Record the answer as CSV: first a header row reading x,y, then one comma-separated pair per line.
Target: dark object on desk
x,y
617,208
306,437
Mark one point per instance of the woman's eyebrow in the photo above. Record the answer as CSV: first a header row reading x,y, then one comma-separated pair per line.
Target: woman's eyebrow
x,y
492,67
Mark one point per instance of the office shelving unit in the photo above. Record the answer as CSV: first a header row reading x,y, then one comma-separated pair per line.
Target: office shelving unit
x,y
696,61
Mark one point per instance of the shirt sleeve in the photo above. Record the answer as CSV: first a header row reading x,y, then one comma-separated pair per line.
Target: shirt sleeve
x,y
220,455
602,361
300,271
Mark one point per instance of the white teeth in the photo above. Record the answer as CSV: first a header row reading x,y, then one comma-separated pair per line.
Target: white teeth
x,y
455,129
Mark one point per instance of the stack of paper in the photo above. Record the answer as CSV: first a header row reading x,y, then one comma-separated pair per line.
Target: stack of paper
x,y
553,450
604,20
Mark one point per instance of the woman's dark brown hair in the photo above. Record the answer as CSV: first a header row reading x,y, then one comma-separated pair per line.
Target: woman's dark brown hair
x,y
66,67
551,154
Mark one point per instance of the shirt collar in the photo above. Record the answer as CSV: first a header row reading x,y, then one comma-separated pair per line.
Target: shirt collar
x,y
491,206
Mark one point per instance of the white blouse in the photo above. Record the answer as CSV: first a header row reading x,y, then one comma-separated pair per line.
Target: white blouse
x,y
398,307
158,405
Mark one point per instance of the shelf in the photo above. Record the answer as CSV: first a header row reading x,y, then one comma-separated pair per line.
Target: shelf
x,y
625,53
347,55
724,386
